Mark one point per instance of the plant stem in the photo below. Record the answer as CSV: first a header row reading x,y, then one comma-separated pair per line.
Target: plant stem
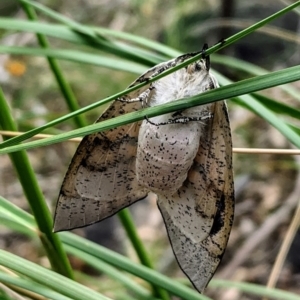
x,y
139,248
35,198
61,81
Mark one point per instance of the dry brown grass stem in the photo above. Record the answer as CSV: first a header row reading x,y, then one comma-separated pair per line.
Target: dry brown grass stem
x,y
235,150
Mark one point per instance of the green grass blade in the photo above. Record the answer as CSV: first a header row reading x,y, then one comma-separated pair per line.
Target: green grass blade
x,y
93,34
16,226
48,278
127,265
17,214
251,28
277,107
77,56
37,130
24,223
89,251
31,286
128,224
250,102
72,104
224,92
112,272
65,33
166,51
255,289
34,195
250,68
122,65
262,111
90,36
57,72
17,219
51,30
295,128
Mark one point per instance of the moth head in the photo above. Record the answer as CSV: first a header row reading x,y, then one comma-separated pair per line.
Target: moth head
x,y
202,65
199,74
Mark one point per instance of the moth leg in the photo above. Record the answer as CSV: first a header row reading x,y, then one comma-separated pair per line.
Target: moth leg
x,y
182,120
143,97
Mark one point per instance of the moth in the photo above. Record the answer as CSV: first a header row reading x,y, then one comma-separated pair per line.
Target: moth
x,y
185,158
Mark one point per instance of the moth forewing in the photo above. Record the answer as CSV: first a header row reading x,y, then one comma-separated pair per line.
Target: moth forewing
x,y
101,177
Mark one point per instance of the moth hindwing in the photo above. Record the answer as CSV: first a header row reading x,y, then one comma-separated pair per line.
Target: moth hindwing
x,y
184,157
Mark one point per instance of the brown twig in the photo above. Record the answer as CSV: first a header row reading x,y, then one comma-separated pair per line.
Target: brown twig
x,y
235,150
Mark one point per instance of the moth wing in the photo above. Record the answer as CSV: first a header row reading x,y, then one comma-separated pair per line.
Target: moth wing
x,y
199,216
101,177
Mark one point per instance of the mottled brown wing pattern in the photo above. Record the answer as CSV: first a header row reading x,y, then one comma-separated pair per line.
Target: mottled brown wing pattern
x,y
101,177
199,216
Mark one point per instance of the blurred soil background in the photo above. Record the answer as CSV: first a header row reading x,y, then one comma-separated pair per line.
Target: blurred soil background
x,y
267,186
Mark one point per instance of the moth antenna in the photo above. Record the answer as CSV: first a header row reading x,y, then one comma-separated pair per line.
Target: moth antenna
x,y
204,48
207,63
206,57
222,42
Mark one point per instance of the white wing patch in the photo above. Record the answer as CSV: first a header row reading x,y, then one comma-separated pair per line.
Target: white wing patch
x,y
184,157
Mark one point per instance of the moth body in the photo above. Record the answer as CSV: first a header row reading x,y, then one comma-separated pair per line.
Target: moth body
x,y
166,152
186,82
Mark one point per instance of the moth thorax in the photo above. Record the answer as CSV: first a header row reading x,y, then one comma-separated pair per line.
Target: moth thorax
x,y
165,154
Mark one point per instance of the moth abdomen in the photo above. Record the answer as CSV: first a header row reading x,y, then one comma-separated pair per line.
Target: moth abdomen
x,y
165,154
